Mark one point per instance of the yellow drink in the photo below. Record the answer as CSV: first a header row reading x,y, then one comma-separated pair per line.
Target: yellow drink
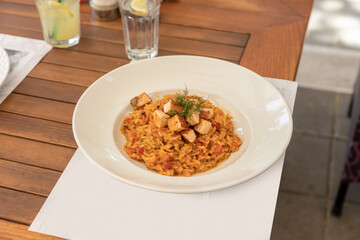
x,y
60,21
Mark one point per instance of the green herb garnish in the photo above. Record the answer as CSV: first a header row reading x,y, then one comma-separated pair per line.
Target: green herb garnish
x,y
189,104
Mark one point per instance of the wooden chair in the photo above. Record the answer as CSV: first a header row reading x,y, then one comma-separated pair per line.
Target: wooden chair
x,y
354,113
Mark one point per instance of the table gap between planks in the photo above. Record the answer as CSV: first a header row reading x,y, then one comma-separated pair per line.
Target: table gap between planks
x,y
36,140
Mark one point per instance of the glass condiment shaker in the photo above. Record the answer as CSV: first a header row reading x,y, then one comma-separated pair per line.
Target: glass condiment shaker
x,y
104,10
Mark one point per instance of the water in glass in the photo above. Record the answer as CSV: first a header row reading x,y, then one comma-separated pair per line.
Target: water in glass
x,y
141,30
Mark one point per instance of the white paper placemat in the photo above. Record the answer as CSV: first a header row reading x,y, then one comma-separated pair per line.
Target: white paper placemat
x,y
24,54
88,204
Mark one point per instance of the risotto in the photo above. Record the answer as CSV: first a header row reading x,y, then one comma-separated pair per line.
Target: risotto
x,y
179,134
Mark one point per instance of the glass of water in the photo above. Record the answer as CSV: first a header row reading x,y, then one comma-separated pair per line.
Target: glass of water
x,y
140,21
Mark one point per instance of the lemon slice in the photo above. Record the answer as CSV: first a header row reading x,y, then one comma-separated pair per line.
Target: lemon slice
x,y
54,3
139,7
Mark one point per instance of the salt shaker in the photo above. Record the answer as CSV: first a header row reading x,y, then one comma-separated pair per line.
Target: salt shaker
x,y
104,10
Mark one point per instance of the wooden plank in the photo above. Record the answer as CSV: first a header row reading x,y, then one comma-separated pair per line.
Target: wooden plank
x,y
27,178
20,32
273,7
38,107
50,90
35,153
187,46
20,22
83,60
103,34
25,10
19,206
100,47
37,129
26,2
256,15
16,231
162,52
65,74
32,3
265,58
201,34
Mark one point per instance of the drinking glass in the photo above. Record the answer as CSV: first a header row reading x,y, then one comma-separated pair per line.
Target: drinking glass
x,y
60,21
140,21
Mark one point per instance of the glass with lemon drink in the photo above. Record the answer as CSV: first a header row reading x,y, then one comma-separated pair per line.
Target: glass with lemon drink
x,y
140,21
60,21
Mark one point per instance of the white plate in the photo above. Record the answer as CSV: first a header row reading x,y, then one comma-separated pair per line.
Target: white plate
x,y
4,65
261,118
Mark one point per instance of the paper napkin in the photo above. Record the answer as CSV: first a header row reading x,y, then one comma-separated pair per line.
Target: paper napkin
x,y
24,54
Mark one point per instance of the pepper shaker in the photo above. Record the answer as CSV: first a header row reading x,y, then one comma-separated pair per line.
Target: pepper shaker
x,y
104,10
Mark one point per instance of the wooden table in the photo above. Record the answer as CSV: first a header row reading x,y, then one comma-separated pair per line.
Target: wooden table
x,y
36,140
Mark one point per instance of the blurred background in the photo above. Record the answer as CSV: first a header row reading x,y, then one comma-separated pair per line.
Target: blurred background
x,y
328,69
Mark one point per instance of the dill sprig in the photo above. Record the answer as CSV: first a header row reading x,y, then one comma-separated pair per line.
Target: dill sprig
x,y
190,104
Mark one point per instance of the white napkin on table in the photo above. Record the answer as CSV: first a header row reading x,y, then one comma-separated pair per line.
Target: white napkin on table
x,y
24,54
88,204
